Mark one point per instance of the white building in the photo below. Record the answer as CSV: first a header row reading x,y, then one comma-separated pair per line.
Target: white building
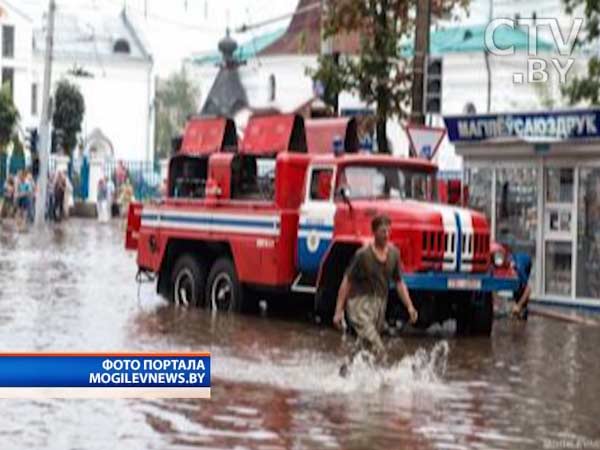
x,y
106,56
16,57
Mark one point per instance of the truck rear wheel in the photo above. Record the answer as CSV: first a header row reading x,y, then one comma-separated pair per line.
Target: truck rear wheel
x,y
188,280
223,289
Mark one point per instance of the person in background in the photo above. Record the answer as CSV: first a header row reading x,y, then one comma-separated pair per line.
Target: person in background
x,y
522,265
125,197
50,211
22,197
31,196
8,199
102,201
60,186
111,197
365,288
68,200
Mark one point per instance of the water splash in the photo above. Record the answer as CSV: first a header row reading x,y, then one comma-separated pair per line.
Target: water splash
x,y
306,371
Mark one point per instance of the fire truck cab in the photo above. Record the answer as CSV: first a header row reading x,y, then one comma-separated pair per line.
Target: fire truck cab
x,y
274,214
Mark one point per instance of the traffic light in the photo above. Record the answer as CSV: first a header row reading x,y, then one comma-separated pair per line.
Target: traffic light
x,y
32,143
433,85
57,140
32,139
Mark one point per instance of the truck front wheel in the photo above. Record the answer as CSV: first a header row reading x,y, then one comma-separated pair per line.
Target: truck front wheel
x,y
475,315
188,279
223,289
482,314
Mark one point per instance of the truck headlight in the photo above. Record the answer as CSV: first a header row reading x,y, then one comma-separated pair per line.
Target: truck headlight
x,y
498,258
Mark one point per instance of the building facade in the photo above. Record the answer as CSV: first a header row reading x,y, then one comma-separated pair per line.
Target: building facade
x,y
16,60
106,56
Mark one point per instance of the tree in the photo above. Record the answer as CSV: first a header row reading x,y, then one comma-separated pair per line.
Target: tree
x,y
9,116
69,108
380,74
586,88
176,100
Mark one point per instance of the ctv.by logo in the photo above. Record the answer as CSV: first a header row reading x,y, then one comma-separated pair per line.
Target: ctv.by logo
x,y
537,68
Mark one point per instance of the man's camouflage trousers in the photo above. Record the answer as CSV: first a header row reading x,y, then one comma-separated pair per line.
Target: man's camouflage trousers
x,y
367,316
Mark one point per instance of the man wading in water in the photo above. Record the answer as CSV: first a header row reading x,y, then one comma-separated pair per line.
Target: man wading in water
x,y
364,291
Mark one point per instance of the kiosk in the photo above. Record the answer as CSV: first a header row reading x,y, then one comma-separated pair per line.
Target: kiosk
x,y
537,177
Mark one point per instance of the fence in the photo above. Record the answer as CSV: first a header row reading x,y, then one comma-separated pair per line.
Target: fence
x,y
144,177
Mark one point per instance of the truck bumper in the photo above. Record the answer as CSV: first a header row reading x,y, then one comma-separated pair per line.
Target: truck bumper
x,y
437,281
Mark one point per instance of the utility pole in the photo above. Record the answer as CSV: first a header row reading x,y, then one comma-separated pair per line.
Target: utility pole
x,y
327,50
423,22
45,137
486,55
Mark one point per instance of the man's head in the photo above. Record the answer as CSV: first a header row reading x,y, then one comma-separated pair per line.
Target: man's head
x,y
380,225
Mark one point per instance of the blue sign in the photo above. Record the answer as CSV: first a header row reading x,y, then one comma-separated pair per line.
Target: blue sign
x,y
426,151
104,370
551,126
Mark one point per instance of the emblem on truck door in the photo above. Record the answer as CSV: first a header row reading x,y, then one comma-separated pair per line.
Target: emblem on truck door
x,y
313,241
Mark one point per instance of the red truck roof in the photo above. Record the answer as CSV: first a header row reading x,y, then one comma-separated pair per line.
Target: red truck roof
x,y
320,134
269,134
206,135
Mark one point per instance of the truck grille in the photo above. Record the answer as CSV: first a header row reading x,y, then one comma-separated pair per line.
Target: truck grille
x,y
440,251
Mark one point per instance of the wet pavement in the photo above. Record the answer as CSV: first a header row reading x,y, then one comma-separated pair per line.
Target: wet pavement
x,y
275,382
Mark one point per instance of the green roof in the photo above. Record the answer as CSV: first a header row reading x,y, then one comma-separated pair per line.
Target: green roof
x,y
246,51
472,39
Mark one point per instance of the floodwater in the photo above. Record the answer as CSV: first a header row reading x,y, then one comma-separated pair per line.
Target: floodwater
x,y
275,382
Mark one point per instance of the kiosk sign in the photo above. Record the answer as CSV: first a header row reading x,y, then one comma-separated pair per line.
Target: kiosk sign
x,y
550,126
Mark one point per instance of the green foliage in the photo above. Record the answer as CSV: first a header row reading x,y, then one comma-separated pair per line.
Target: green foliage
x,y
586,88
69,108
9,116
379,73
17,160
176,100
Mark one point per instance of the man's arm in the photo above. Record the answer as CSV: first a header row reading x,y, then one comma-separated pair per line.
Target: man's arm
x,y
341,301
523,301
402,291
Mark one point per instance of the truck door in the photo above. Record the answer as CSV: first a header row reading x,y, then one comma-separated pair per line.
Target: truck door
x,y
315,227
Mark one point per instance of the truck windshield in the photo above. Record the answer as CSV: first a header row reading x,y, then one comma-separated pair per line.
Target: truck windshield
x,y
387,182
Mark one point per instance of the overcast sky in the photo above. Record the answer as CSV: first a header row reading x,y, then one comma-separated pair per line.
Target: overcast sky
x,y
177,28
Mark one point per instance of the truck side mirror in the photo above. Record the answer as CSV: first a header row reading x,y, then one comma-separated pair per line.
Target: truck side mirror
x,y
344,192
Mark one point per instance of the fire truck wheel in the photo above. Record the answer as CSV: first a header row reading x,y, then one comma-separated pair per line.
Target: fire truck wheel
x,y
188,280
223,289
482,314
463,317
324,306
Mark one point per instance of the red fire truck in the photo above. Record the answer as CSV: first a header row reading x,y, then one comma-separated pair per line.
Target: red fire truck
x,y
277,215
